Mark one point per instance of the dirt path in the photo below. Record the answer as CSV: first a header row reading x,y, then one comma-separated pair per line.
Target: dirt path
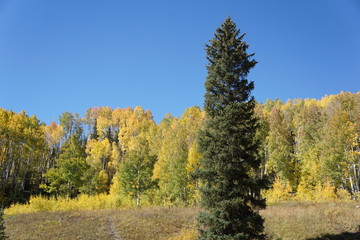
x,y
114,233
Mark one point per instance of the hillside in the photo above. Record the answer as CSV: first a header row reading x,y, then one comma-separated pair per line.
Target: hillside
x,y
308,146
334,221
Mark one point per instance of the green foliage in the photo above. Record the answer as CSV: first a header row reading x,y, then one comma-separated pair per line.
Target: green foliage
x,y
304,141
66,178
170,169
229,167
281,149
311,140
178,156
136,170
339,140
70,123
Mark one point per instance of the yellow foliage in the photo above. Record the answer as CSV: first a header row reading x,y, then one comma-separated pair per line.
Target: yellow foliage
x,y
343,195
115,157
82,202
304,193
119,197
102,181
187,234
324,193
324,102
53,133
321,193
115,186
281,191
136,123
356,195
98,150
104,121
193,158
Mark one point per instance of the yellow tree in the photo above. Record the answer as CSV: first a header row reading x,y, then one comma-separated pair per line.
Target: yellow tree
x,y
262,132
308,124
24,155
281,150
99,153
178,155
170,167
104,124
53,135
192,120
337,149
136,168
133,124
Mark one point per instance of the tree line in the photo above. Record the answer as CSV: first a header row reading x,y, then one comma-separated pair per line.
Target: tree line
x,y
304,143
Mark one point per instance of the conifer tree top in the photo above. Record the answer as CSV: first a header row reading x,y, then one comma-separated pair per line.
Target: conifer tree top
x,y
228,67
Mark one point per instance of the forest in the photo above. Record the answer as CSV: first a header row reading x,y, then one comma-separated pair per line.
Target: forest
x,y
310,149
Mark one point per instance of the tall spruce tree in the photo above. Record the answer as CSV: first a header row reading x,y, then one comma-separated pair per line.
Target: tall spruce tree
x,y
231,183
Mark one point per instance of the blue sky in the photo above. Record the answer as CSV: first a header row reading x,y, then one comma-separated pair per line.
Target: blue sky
x,y
67,55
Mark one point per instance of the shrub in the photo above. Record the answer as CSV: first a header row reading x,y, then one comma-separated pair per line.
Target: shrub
x,y
305,192
82,202
281,191
343,195
325,193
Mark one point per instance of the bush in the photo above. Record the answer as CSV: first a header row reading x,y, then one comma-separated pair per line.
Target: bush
x,y
82,202
343,195
325,193
305,192
281,191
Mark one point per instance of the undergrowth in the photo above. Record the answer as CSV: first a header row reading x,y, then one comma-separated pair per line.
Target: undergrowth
x,y
82,202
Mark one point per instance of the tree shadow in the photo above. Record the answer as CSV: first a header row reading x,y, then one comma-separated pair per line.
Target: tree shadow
x,y
340,236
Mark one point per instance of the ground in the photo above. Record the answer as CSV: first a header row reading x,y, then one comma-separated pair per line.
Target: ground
x,y
310,221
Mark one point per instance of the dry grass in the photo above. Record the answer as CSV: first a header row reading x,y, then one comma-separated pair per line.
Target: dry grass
x,y
313,220
316,221
150,223
153,223
59,225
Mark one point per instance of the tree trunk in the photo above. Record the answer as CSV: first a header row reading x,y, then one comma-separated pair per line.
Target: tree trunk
x,y
138,190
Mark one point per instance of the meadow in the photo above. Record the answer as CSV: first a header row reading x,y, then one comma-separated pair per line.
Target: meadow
x,y
293,220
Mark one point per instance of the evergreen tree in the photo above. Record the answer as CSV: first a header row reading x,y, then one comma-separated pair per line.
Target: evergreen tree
x,y
2,227
231,183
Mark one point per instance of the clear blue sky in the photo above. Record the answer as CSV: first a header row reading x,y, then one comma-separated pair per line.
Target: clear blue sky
x,y
68,55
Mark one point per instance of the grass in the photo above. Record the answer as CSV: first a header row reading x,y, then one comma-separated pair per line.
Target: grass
x,y
150,223
311,221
